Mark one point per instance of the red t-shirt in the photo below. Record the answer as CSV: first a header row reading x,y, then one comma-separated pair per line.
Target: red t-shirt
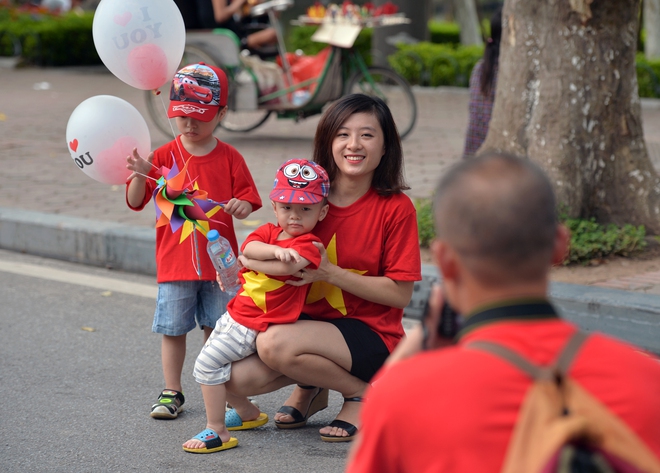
x,y
223,174
265,299
454,409
375,236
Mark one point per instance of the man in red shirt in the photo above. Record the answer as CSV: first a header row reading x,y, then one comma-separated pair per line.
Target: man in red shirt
x,y
454,409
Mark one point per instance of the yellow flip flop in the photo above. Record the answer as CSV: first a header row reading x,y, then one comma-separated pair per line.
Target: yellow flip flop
x,y
212,441
234,422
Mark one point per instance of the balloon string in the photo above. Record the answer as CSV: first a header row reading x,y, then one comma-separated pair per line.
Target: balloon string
x,y
196,264
162,102
145,175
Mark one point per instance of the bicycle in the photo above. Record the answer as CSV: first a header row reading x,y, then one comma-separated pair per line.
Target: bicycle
x,y
344,72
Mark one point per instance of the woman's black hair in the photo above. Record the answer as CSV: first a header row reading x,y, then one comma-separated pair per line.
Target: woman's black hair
x,y
388,177
492,53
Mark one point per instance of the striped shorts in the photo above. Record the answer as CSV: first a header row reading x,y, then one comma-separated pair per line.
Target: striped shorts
x,y
229,341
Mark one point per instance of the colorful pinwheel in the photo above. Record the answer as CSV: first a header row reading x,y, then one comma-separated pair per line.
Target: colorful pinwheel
x,y
180,203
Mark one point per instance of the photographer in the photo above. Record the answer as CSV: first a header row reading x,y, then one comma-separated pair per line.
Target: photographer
x,y
453,409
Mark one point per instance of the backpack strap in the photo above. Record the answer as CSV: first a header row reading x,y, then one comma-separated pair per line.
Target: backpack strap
x,y
560,366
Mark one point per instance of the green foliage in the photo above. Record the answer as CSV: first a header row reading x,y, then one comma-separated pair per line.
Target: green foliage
x,y
300,37
49,40
445,32
425,221
591,240
436,64
648,76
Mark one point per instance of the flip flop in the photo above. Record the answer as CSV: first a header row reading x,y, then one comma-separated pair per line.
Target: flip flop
x,y
212,441
350,429
318,403
234,422
341,424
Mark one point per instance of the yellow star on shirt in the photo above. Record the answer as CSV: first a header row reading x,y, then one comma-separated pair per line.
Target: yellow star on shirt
x,y
257,285
323,290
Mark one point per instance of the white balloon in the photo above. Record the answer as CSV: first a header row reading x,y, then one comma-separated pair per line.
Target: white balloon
x,y
140,41
101,132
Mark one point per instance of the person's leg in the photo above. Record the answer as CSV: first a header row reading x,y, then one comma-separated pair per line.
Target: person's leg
x,y
215,399
250,377
313,353
173,354
174,318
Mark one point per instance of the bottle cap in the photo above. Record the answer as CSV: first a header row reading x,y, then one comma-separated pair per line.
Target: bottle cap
x,y
212,235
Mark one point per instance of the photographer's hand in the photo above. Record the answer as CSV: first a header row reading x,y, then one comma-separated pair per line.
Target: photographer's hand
x,y
418,340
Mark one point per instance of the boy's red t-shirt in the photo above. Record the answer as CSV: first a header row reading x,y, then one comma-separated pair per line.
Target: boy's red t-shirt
x,y
223,174
266,299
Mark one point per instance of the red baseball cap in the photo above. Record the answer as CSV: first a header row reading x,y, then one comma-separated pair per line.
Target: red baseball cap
x,y
198,91
299,181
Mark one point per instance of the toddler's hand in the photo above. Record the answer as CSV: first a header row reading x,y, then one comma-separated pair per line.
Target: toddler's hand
x,y
138,164
238,208
287,255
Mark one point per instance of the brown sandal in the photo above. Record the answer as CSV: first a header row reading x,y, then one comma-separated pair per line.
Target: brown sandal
x,y
318,403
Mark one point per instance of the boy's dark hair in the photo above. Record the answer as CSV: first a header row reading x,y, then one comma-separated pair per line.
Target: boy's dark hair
x,y
388,177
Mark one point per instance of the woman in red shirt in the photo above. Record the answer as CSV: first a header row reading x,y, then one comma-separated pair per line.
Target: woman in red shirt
x,y
370,260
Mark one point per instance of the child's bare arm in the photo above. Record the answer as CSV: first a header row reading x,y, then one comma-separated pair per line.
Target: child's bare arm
x,y
264,251
138,182
238,208
273,266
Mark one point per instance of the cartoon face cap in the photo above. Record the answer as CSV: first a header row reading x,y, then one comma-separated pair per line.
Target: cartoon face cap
x,y
299,181
198,91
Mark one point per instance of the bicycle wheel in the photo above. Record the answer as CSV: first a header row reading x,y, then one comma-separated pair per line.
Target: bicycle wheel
x,y
393,89
157,104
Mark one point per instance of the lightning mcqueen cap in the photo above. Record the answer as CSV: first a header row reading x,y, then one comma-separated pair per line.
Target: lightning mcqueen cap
x,y
299,181
198,91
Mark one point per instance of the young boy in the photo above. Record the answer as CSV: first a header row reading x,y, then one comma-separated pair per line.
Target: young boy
x,y
187,291
271,255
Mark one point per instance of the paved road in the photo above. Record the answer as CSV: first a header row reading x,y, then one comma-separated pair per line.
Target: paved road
x,y
80,370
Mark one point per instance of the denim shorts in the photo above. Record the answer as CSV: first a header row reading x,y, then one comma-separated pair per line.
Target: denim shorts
x,y
181,305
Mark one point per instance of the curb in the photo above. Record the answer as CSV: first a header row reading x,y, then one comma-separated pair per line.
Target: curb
x,y
633,317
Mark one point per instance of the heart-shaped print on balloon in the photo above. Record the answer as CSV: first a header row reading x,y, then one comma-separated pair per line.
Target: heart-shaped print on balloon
x,y
73,145
123,19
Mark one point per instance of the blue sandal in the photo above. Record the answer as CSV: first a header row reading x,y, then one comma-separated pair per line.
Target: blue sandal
x,y
212,441
234,422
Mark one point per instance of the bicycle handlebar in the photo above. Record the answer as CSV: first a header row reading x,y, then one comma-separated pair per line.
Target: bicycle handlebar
x,y
275,5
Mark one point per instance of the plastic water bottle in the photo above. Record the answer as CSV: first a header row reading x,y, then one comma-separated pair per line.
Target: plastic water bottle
x,y
224,261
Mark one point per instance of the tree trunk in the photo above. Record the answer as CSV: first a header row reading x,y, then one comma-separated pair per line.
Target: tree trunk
x,y
567,98
652,27
467,18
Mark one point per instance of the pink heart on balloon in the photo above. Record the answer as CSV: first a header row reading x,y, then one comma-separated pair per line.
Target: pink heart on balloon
x,y
110,164
147,65
123,19
73,145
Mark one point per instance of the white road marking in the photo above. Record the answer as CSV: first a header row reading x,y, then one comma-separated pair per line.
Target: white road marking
x,y
70,277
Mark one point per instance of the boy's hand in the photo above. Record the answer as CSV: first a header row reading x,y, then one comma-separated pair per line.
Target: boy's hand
x,y
140,166
238,208
287,255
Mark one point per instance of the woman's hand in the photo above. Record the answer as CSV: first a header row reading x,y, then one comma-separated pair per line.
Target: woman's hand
x,y
323,273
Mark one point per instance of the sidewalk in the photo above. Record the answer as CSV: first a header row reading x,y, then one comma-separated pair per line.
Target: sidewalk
x,y
49,207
